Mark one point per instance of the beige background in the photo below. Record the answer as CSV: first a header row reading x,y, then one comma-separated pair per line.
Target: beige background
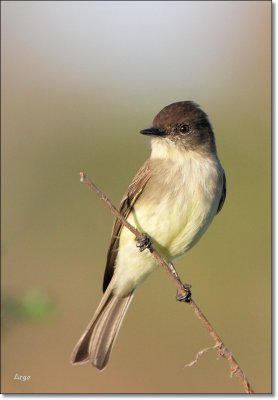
x,y
79,80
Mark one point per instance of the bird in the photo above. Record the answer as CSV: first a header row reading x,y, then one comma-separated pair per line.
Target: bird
x,y
172,200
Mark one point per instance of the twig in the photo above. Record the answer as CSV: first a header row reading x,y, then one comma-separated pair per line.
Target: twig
x,y
182,289
199,354
139,236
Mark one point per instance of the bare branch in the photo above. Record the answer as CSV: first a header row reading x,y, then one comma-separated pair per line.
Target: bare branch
x,y
182,290
199,354
139,236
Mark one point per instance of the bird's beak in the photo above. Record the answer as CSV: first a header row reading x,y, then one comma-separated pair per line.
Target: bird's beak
x,y
152,132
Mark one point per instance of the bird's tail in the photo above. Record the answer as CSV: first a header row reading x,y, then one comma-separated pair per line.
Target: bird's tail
x,y
97,341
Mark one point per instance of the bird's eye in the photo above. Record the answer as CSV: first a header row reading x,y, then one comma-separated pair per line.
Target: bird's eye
x,y
184,128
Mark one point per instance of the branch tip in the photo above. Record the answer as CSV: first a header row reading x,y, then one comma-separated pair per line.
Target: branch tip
x,y
199,354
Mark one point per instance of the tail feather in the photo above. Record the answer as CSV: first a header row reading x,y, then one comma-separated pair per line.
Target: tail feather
x,y
97,341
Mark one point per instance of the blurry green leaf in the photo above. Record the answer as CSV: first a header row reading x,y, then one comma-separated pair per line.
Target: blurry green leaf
x,y
35,305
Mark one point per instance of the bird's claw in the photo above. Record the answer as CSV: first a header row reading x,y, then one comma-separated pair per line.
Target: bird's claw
x,y
144,243
185,294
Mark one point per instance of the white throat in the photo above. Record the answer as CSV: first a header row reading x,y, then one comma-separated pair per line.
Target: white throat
x,y
165,149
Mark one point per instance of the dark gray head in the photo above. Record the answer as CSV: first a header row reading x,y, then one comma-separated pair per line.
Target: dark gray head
x,y
185,124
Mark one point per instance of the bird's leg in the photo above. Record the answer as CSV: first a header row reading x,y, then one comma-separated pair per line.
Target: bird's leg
x,y
144,242
183,293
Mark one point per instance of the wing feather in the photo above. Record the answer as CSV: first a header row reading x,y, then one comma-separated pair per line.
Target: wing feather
x,y
134,191
223,197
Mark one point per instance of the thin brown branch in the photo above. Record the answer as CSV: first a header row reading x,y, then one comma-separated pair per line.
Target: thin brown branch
x,y
139,236
182,290
199,354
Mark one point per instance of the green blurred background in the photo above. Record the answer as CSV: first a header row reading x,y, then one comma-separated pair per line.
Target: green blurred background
x,y
79,80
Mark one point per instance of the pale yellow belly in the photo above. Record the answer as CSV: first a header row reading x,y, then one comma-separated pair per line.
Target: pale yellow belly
x,y
174,228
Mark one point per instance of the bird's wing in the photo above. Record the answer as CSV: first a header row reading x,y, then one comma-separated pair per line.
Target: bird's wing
x,y
223,196
134,191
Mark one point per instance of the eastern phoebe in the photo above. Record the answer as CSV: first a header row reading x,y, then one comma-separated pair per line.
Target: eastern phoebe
x,y
172,199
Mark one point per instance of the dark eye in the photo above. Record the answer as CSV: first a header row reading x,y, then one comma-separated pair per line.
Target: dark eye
x,y
184,128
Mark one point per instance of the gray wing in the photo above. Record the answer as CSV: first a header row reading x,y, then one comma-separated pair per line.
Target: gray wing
x,y
134,191
223,196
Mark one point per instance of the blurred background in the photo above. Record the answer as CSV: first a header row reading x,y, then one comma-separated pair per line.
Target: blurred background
x,y
79,80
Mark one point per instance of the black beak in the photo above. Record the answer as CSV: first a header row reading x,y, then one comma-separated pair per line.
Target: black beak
x,y
152,132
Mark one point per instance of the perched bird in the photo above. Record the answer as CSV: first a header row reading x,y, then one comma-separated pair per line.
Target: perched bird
x,y
172,199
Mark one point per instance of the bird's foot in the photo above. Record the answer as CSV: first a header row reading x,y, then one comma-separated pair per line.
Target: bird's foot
x,y
144,243
184,294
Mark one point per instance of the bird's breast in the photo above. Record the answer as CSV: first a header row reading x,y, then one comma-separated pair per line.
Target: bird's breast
x,y
179,202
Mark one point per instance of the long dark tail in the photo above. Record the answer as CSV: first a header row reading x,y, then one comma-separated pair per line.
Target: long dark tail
x,y
97,341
